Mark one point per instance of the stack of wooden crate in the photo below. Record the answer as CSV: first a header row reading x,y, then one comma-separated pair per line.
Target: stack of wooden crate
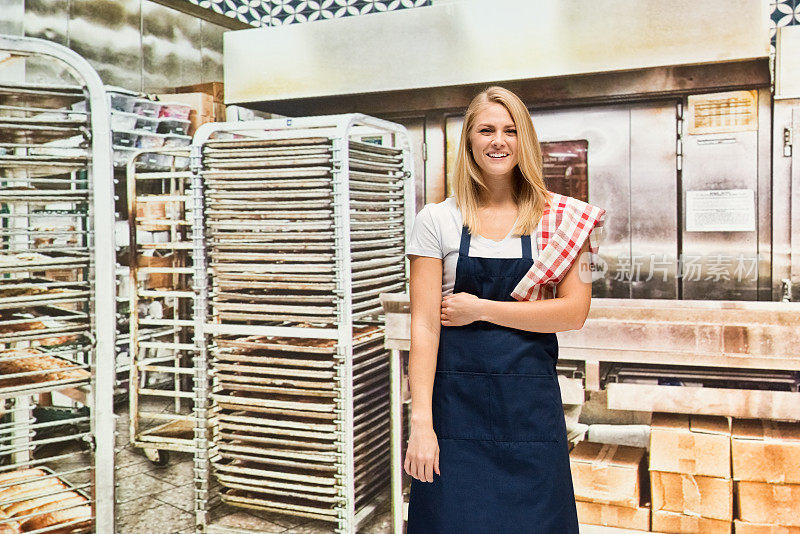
x,y
690,474
610,483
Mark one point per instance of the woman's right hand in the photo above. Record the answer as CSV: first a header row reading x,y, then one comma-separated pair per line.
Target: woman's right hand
x,y
422,455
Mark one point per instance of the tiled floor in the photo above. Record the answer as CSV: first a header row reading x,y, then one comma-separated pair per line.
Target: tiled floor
x,y
159,500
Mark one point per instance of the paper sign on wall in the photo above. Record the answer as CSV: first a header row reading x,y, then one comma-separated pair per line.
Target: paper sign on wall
x,y
722,210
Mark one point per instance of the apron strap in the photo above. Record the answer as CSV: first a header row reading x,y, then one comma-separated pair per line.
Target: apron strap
x,y
463,250
527,252
526,241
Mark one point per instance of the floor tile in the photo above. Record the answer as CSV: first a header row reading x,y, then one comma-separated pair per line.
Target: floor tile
x,y
181,497
136,486
246,520
162,519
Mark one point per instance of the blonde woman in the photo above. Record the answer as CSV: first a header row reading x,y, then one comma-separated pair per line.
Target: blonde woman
x,y
487,448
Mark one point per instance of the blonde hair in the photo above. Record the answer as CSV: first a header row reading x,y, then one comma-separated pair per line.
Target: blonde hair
x,y
530,194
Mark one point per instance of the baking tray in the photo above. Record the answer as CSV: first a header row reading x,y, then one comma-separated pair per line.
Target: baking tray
x,y
274,412
8,195
289,506
237,160
252,399
265,215
40,95
242,482
27,324
362,276
35,134
276,238
362,335
224,144
370,254
269,152
376,149
252,428
39,292
234,317
322,300
320,472
275,177
247,384
229,283
374,263
33,388
218,244
387,205
293,194
261,268
371,197
269,226
390,187
33,261
260,442
371,157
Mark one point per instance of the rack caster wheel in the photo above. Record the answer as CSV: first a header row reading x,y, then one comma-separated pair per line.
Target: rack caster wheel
x,y
157,457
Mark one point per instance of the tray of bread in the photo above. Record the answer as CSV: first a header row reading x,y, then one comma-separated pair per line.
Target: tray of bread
x,y
43,323
38,500
40,291
25,368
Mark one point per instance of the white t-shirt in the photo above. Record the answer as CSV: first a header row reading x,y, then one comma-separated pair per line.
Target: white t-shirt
x,y
437,234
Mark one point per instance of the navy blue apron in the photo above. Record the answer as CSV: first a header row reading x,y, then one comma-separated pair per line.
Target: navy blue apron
x,y
497,413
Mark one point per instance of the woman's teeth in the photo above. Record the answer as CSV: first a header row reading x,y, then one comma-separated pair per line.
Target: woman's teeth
x,y
499,155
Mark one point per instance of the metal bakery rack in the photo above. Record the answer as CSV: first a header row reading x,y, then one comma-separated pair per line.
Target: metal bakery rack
x,y
161,303
299,225
57,303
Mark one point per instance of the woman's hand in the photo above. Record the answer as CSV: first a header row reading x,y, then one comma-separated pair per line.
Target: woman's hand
x,y
422,455
460,309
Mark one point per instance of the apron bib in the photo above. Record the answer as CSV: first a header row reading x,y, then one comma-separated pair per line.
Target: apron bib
x,y
497,413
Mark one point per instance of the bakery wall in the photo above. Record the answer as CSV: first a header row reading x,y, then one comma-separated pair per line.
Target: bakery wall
x,y
135,44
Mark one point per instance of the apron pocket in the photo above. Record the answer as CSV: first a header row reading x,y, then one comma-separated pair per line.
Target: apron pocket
x,y
525,407
461,405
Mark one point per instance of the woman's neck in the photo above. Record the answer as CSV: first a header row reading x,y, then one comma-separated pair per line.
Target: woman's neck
x,y
498,193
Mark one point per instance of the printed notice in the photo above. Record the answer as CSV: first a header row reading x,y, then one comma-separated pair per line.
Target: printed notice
x,y
734,111
723,210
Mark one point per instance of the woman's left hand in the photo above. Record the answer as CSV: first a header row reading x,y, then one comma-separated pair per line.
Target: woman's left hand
x,y
460,309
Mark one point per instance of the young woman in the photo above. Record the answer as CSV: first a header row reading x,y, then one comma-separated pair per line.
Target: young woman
x,y
488,449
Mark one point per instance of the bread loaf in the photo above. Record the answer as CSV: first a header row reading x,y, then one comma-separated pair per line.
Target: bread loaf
x,y
19,475
24,507
12,527
50,519
31,488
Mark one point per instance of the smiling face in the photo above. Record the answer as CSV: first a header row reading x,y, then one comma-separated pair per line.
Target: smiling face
x,y
493,141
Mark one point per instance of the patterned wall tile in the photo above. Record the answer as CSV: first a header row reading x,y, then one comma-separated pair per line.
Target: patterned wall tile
x,y
280,12
782,13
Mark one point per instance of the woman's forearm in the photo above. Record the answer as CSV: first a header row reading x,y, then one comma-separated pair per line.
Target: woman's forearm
x,y
421,371
550,315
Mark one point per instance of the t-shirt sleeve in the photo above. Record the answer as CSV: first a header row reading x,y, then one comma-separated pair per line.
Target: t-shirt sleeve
x,y
425,237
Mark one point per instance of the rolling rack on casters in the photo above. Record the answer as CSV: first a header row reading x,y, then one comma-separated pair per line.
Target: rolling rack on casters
x,y
299,225
161,303
57,297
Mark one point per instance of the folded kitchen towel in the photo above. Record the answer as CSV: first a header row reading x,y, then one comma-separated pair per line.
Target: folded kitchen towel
x,y
565,225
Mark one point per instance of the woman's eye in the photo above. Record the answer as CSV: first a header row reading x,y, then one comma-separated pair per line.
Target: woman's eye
x,y
512,132
484,130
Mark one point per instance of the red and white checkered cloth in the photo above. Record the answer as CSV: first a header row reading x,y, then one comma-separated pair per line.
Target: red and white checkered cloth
x,y
565,225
